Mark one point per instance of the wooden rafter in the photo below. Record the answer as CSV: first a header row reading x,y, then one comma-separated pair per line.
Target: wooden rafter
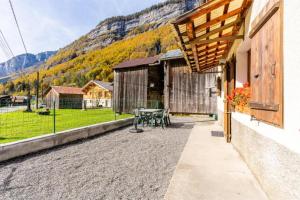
x,y
219,30
217,36
213,46
211,52
209,66
211,56
223,38
218,19
191,36
183,19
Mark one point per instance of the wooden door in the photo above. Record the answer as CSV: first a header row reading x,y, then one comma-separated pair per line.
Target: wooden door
x,y
229,85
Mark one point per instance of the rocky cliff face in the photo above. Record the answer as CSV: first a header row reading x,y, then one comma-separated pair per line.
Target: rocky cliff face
x,y
120,27
23,61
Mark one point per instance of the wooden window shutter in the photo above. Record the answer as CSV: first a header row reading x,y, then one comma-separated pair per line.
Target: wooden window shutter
x,y
266,65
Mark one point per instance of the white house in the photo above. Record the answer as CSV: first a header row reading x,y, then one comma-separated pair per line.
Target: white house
x,y
254,42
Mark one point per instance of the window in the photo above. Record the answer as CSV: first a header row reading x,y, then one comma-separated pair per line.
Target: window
x,y
266,67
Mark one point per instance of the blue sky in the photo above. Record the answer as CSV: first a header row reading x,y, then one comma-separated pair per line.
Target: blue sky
x,y
52,24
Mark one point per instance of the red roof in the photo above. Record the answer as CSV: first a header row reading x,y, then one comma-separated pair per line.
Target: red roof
x,y
137,62
67,90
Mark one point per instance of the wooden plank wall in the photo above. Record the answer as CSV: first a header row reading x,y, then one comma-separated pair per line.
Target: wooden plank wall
x,y
130,89
190,92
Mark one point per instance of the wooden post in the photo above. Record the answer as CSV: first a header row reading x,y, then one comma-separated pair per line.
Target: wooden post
x,y
167,84
37,89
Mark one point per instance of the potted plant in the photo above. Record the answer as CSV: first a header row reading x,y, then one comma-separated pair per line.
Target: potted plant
x,y
240,98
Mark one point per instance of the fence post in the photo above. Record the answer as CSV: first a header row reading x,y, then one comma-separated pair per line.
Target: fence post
x,y
54,117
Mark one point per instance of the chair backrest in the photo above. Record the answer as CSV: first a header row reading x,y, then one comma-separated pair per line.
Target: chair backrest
x,y
167,111
136,112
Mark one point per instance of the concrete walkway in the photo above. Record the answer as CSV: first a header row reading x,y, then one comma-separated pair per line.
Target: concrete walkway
x,y
210,169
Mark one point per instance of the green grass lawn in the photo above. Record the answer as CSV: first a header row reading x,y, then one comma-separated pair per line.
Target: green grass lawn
x,y
20,125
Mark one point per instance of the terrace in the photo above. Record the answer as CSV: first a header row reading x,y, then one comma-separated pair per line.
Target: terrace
x,y
124,165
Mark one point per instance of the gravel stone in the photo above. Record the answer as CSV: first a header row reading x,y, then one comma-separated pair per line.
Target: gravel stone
x,y
117,165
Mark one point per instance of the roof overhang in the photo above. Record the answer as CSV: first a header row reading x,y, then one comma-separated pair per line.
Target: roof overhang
x,y
207,33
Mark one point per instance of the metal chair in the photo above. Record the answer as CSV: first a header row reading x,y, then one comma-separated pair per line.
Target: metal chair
x,y
167,117
160,119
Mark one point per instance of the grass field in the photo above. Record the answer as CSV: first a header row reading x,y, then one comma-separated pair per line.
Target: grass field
x,y
20,125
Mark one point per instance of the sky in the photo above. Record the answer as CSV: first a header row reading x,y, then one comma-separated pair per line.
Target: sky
x,y
52,24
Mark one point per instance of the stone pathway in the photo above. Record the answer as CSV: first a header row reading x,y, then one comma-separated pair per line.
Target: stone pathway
x,y
211,169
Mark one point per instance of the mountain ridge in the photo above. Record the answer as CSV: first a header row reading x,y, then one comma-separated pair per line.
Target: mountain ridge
x,y
23,61
120,27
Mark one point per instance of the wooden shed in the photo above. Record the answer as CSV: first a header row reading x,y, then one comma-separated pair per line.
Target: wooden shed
x,y
164,81
138,83
186,91
64,97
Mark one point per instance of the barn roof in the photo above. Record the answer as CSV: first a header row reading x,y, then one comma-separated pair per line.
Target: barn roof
x,y
207,33
105,85
173,54
67,90
137,62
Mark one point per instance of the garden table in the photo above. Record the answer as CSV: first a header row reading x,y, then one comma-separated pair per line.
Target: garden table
x,y
149,114
146,110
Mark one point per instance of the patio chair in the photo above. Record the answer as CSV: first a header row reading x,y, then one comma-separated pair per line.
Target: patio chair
x,y
142,117
136,116
167,117
160,119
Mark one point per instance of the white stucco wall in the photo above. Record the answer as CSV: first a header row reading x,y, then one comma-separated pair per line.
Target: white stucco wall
x,y
272,153
289,136
292,67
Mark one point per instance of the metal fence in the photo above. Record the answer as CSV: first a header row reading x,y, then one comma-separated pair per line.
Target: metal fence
x,y
59,115
17,124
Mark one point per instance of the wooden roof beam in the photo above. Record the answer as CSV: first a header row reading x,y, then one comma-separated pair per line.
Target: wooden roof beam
x,y
209,66
181,44
218,19
208,62
224,38
191,36
201,11
211,56
215,57
213,46
207,52
219,30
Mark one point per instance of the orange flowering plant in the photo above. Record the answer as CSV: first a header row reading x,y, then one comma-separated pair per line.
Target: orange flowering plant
x,y
240,97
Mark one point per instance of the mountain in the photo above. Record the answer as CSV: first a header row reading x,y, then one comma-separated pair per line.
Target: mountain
x,y
24,61
112,41
121,27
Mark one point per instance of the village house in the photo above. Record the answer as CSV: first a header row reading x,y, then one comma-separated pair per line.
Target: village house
x,y
64,97
255,45
19,100
98,94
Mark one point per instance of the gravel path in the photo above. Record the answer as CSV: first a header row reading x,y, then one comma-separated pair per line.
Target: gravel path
x,y
118,165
